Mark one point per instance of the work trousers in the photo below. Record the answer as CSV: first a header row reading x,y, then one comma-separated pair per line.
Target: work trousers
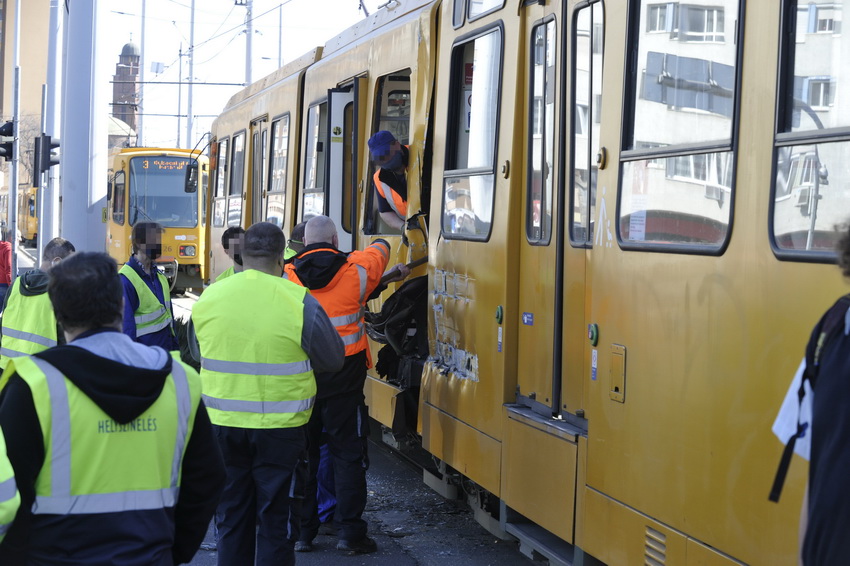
x,y
345,420
325,490
258,515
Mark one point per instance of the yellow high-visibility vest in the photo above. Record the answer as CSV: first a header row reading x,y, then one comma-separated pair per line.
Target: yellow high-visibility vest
x,y
10,499
29,325
94,464
254,371
151,316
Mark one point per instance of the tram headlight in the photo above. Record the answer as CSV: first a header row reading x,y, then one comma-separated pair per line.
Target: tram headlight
x,y
187,251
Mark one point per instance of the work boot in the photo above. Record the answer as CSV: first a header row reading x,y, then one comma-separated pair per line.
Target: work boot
x,y
362,546
304,546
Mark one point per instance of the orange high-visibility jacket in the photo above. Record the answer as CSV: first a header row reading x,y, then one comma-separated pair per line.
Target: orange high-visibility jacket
x,y
344,297
395,200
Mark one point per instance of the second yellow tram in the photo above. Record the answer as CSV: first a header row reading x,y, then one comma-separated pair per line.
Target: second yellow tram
x,y
148,185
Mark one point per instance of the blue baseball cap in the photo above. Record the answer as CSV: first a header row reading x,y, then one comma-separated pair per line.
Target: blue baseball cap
x,y
379,144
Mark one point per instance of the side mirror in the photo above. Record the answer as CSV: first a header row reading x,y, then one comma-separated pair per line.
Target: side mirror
x,y
191,182
109,190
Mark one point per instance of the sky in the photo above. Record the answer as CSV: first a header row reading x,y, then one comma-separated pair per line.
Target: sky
x,y
219,50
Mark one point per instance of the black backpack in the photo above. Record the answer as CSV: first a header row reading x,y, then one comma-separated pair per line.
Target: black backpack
x,y
828,327
402,325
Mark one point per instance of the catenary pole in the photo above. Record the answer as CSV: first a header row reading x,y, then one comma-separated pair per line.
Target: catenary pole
x,y
49,227
16,144
190,141
84,146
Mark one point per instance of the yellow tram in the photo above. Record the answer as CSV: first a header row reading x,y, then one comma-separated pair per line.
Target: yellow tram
x,y
28,215
629,210
147,185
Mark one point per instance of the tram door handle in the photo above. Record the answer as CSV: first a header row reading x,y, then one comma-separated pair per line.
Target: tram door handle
x,y
617,381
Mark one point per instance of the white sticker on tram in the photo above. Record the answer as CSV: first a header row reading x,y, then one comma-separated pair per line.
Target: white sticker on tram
x,y
594,359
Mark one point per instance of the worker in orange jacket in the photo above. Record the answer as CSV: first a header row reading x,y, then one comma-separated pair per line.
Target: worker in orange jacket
x,y
390,177
342,283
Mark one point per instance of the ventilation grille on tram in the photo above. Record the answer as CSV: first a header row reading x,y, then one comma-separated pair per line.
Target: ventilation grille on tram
x,y
656,548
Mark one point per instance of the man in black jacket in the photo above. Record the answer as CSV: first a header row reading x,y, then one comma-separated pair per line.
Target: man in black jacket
x,y
127,470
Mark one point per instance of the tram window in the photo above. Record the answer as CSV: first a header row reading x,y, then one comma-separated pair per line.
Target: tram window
x,y
237,176
155,191
205,183
276,199
237,171
677,98
392,113
810,200
221,169
586,102
220,161
314,162
457,15
118,187
538,219
480,7
813,67
469,183
675,183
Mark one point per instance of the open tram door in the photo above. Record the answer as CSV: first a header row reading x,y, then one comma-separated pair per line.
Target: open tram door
x,y
345,118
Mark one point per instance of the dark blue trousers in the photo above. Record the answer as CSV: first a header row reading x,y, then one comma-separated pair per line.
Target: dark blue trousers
x,y
325,489
258,515
345,420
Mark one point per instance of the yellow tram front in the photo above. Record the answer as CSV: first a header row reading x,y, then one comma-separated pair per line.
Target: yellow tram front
x,y
148,185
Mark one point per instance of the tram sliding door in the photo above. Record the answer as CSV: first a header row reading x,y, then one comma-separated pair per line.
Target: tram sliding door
x,y
539,235
259,168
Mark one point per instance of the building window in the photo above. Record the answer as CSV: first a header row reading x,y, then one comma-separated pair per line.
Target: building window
x,y
656,20
820,93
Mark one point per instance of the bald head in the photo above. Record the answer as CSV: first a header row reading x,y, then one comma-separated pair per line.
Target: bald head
x,y
320,230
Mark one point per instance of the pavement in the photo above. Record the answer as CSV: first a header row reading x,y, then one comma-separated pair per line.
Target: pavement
x,y
413,526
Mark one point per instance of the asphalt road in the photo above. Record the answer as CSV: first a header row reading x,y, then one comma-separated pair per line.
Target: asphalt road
x,y
412,525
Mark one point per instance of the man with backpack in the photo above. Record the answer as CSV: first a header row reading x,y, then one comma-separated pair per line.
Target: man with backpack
x,y
817,427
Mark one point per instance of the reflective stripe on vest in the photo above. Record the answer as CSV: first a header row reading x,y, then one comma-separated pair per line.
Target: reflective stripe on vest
x,y
396,202
151,316
29,325
340,299
251,368
30,337
259,407
61,501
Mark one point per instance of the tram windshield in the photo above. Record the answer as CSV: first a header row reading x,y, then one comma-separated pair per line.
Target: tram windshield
x,y
156,192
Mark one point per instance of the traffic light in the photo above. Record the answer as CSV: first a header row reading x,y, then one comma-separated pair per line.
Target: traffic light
x,y
47,158
7,139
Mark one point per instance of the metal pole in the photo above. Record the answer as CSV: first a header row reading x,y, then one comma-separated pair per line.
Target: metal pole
x,y
280,36
16,144
179,92
42,190
53,118
140,113
189,117
84,146
249,35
